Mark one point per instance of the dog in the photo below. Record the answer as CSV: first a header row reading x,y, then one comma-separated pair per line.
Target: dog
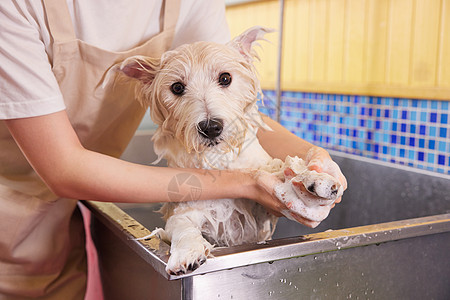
x,y
203,97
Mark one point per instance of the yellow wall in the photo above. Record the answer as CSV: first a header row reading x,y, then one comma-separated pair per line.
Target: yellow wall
x,y
398,48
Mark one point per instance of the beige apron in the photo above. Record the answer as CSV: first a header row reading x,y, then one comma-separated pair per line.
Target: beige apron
x,y
41,236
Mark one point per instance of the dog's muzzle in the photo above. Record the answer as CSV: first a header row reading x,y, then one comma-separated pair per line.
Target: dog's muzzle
x,y
210,129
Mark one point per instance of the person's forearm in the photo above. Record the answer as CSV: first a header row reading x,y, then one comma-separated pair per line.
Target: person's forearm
x,y
54,151
104,178
280,142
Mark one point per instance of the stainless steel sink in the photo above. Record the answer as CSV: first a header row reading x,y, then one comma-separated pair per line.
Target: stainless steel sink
x,y
388,239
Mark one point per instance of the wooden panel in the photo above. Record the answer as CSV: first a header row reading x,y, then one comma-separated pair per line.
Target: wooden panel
x,y
296,42
376,45
399,41
443,67
335,51
425,43
354,38
397,48
265,13
318,44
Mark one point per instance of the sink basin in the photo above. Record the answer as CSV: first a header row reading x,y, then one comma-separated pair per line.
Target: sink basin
x,y
388,239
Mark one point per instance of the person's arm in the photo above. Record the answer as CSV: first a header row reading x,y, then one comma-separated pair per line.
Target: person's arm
x,y
56,154
280,142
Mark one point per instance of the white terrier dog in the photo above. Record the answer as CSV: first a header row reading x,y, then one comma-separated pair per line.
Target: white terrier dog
x,y
203,98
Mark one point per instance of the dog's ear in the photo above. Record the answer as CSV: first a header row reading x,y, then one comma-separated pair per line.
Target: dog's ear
x,y
244,43
139,67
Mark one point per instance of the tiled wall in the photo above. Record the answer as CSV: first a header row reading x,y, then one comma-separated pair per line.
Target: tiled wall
x,y
405,131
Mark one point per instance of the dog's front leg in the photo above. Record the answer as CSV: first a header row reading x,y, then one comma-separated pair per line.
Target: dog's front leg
x,y
188,247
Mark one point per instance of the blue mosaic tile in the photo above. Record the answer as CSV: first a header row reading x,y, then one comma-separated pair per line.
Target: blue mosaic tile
x,y
433,117
432,131
413,132
421,143
423,116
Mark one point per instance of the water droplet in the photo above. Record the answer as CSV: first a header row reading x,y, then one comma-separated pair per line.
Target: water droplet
x,y
299,269
372,292
337,283
315,257
314,290
320,278
430,227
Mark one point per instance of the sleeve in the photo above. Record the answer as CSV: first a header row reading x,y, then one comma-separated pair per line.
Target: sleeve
x,y
27,85
203,20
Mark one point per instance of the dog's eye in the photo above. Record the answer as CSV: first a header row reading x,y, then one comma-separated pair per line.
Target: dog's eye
x,y
225,79
177,88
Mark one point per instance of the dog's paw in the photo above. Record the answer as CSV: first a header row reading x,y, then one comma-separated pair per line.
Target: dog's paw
x,y
322,185
307,193
325,187
187,255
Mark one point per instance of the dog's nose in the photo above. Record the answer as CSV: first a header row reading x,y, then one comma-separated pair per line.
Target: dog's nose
x,y
210,128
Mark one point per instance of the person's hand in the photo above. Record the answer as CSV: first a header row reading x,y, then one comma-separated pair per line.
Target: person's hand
x,y
304,207
266,195
319,160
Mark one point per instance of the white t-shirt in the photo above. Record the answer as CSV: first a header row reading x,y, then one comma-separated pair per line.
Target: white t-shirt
x,y
27,85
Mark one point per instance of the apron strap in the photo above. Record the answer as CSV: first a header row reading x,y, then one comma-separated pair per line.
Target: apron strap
x,y
171,12
61,26
59,20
